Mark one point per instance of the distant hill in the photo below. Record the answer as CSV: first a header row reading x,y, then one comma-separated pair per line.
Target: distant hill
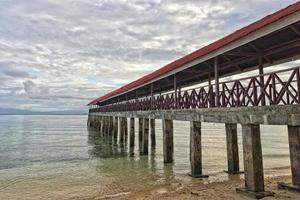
x,y
12,111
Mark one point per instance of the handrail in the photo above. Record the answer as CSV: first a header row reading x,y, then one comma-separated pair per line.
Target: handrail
x,y
272,95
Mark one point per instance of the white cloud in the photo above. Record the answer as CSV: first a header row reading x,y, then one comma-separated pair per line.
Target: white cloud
x,y
60,54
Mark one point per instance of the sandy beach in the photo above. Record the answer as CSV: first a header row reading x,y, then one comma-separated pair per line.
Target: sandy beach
x,y
200,190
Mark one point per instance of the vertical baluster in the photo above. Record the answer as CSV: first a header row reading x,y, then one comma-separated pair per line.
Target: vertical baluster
x,y
287,96
255,92
298,83
238,93
274,89
223,95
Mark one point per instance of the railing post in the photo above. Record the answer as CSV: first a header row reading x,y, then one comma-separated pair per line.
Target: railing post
x,y
217,95
175,91
298,83
223,96
151,96
261,79
211,100
255,94
238,102
274,89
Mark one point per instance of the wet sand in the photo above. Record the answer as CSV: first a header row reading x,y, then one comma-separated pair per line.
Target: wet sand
x,y
199,190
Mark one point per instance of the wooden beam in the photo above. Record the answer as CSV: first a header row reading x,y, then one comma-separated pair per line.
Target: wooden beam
x,y
295,29
235,65
217,95
242,54
260,52
262,81
175,90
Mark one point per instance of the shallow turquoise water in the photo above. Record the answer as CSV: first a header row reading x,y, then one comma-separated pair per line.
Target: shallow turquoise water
x,y
57,157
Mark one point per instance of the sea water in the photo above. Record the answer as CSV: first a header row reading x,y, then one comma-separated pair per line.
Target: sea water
x,y
58,157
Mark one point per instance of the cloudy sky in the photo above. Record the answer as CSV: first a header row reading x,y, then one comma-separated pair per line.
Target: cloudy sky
x,y
60,54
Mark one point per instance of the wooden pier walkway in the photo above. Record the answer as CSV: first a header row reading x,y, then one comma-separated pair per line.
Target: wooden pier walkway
x,y
200,87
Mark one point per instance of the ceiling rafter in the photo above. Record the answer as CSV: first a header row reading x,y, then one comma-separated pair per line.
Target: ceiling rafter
x,y
240,53
260,52
295,29
235,65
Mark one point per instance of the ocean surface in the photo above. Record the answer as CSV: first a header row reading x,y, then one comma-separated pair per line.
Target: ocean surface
x,y
57,157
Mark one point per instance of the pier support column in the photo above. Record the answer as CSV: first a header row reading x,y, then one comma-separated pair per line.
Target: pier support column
x,y
232,149
196,150
100,124
106,125
103,126
111,126
253,163
96,122
140,135
294,144
122,129
152,135
168,146
132,133
116,128
126,130
88,123
145,136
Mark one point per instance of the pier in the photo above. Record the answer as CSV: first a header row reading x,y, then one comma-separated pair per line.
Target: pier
x,y
223,82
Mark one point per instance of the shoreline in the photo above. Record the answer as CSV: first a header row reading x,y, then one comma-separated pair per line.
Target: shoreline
x,y
178,190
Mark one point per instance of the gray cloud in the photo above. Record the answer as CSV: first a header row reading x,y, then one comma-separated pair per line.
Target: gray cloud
x,y
61,54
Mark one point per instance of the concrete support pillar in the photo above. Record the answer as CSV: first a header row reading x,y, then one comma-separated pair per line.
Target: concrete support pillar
x,y
116,128
140,135
102,128
88,123
145,136
152,135
126,130
99,123
106,125
111,125
253,163
91,121
96,122
294,144
196,150
232,149
122,128
168,146
132,133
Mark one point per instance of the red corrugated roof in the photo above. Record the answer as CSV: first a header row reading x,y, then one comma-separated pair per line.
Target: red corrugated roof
x,y
204,51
